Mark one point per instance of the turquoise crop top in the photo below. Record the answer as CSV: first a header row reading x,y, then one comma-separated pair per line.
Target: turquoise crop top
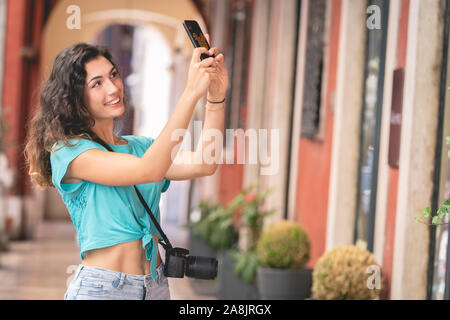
x,y
107,215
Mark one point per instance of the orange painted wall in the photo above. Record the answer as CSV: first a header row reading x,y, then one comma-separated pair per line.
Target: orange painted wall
x,y
13,97
20,85
390,230
230,182
315,159
231,176
388,255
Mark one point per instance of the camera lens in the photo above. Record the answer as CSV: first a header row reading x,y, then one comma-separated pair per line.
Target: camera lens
x,y
201,267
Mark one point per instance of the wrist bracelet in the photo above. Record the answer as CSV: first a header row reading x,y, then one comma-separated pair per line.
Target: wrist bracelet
x,y
215,102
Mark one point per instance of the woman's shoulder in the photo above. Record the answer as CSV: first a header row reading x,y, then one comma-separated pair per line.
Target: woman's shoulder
x,y
142,140
74,143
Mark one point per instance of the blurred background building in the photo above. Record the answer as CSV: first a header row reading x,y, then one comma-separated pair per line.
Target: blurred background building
x,y
356,89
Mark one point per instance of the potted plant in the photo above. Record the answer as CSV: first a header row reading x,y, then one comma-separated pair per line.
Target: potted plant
x,y
212,232
347,273
238,265
282,252
199,230
219,230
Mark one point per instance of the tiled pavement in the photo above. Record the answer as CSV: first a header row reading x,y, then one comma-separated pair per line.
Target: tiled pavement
x,y
39,269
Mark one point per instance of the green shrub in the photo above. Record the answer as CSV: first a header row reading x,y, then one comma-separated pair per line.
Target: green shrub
x,y
215,226
343,274
200,228
252,218
284,245
246,264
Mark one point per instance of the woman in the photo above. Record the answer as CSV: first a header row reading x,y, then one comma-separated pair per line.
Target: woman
x,y
82,101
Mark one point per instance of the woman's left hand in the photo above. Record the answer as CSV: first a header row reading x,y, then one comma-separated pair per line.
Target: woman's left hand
x,y
219,80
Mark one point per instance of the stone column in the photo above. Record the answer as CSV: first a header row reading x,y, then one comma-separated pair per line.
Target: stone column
x,y
345,149
418,139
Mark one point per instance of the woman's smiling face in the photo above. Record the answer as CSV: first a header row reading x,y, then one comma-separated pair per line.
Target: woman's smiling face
x,y
103,91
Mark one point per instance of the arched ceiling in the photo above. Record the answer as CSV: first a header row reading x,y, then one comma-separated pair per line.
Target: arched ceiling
x,y
167,16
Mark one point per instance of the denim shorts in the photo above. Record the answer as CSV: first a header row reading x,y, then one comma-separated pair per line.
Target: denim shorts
x,y
92,283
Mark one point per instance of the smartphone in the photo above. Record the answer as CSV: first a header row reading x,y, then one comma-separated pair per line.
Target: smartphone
x,y
197,37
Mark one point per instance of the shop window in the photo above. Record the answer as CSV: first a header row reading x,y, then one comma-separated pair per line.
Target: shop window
x,y
371,127
238,70
312,92
439,268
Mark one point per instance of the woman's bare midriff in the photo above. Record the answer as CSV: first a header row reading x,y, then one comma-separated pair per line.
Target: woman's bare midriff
x,y
126,257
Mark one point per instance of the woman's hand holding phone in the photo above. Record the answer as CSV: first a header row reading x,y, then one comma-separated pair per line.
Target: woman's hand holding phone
x,y
207,75
219,80
199,75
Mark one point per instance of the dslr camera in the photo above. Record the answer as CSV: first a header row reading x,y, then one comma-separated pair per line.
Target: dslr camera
x,y
178,263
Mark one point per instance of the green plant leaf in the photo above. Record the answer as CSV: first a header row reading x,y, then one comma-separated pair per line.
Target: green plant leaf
x,y
246,263
426,212
435,220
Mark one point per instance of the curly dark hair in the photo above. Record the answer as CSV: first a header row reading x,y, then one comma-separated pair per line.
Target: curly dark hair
x,y
62,115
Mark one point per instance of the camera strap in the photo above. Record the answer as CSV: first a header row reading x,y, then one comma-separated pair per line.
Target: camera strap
x,y
166,244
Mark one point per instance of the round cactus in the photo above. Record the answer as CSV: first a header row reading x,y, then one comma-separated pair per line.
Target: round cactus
x,y
347,273
283,245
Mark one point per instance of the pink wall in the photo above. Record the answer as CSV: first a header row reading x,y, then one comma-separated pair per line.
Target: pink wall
x,y
315,158
402,40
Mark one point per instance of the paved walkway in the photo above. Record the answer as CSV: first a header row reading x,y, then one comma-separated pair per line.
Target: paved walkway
x,y
40,269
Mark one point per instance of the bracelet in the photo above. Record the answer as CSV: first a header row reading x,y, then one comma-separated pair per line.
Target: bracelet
x,y
215,102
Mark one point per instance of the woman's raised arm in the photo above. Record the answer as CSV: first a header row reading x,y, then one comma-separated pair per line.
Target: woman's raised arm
x,y
112,168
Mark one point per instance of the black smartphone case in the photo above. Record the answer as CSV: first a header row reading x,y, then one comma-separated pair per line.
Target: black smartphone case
x,y
197,37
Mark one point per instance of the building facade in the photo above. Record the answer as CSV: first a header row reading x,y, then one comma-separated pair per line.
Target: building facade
x,y
358,92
